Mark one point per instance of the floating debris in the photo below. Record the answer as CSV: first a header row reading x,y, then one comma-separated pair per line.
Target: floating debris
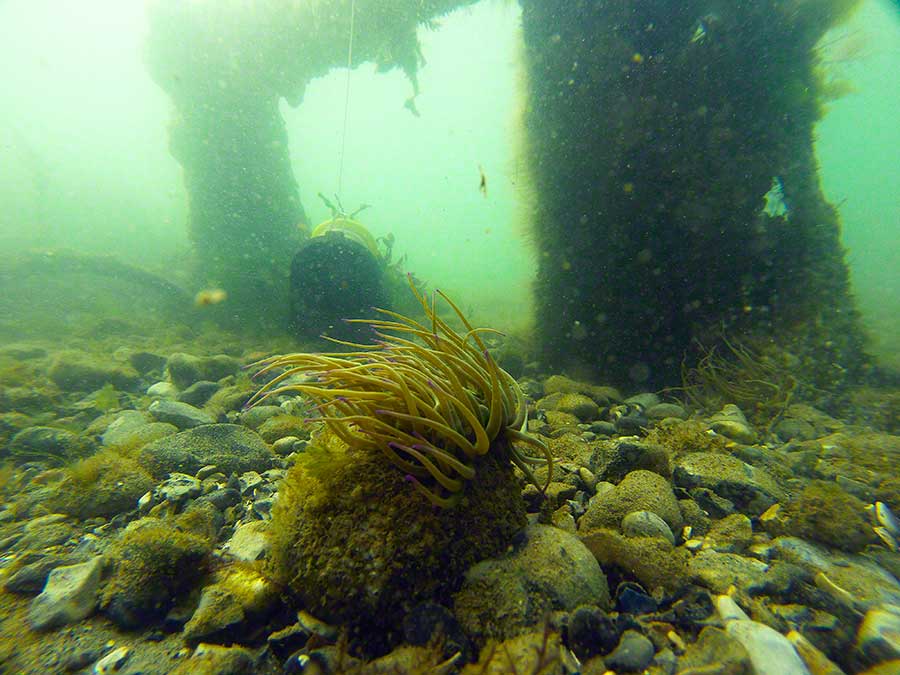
x,y
210,296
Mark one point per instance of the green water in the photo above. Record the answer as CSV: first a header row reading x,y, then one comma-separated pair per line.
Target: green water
x,y
859,149
86,166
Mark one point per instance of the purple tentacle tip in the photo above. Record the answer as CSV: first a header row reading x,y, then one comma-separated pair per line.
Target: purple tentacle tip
x,y
409,478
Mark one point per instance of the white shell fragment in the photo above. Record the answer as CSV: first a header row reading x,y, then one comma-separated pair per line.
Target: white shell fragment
x,y
886,538
886,518
112,662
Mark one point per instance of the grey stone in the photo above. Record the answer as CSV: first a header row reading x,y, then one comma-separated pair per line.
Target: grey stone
x,y
112,662
639,491
878,636
258,414
632,655
178,488
661,411
218,660
48,444
144,362
646,524
717,571
31,578
751,489
613,460
231,447
182,415
852,583
185,369
218,612
223,498
135,432
583,407
715,651
46,531
199,392
162,390
731,534
69,596
79,371
250,480
549,570
645,400
285,446
731,423
250,541
793,429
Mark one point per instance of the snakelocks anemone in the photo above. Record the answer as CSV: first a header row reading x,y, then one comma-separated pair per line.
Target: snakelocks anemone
x,y
430,399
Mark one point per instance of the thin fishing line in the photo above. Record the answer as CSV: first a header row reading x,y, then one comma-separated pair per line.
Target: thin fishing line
x,y
346,98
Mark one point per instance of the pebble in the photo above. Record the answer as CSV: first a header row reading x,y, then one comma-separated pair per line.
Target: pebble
x,y
751,489
258,414
661,411
249,480
632,655
285,445
645,400
229,446
178,488
112,662
164,389
632,599
206,471
185,369
199,392
222,498
69,596
613,461
878,637
583,407
717,571
731,423
646,524
216,614
250,541
549,568
592,631
182,415
771,653
30,578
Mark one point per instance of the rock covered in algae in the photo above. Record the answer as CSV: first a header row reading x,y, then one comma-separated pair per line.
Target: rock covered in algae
x,y
358,546
548,570
823,512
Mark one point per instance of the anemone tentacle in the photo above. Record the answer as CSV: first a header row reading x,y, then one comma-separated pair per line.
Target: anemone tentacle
x,y
431,400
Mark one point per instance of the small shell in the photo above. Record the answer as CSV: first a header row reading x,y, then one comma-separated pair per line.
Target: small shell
x,y
886,537
887,519
112,662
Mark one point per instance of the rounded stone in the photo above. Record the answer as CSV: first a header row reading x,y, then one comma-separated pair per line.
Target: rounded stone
x,y
632,655
231,447
646,524
639,491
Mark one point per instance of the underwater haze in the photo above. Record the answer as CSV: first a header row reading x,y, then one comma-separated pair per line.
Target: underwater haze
x,y
85,162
